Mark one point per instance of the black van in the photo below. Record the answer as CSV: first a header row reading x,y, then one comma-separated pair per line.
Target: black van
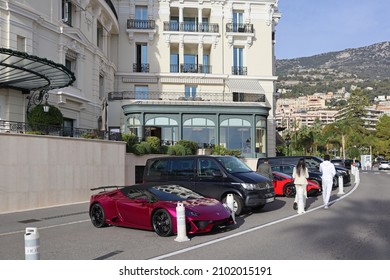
x,y
213,176
313,164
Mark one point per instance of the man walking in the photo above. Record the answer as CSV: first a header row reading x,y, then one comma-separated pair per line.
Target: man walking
x,y
265,169
328,172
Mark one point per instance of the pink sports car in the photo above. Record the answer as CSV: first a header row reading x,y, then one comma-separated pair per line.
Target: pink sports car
x,y
153,207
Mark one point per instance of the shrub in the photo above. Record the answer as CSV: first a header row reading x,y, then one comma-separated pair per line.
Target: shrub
x,y
154,144
131,140
221,150
176,150
190,146
38,116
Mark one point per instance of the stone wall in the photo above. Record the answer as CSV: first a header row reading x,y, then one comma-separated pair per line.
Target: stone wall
x,y
39,171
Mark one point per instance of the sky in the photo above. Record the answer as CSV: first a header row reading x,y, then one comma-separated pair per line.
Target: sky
x,y
310,27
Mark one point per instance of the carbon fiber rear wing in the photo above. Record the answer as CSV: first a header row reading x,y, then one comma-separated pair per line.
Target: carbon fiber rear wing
x,y
105,187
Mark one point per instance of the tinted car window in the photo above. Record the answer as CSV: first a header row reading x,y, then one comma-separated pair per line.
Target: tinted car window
x,y
234,165
206,167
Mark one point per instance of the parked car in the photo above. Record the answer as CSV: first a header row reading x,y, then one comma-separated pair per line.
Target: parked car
x,y
338,162
384,165
288,169
213,176
153,207
284,185
313,164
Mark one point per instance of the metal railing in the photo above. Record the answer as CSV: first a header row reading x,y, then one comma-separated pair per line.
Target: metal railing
x,y
239,70
140,24
239,27
191,27
181,96
52,130
141,67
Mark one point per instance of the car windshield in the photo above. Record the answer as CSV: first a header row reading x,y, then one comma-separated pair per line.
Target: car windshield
x,y
234,165
173,193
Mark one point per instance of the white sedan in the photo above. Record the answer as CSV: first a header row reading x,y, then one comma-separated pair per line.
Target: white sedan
x,y
384,165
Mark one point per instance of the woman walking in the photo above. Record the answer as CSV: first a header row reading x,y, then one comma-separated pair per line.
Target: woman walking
x,y
300,175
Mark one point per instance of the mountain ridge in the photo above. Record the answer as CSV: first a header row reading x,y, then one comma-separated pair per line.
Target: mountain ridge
x,y
369,62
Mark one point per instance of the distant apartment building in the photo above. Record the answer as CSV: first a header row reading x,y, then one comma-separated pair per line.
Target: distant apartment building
x,y
179,69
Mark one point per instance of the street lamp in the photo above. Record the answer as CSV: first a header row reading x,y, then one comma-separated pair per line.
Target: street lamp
x,y
288,142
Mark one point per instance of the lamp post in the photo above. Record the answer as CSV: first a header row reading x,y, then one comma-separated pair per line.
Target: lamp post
x,y
288,142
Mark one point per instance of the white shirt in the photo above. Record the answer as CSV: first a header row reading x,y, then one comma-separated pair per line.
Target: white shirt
x,y
328,171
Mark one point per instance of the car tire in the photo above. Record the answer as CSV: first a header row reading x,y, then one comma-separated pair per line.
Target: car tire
x,y
162,223
289,190
98,218
238,204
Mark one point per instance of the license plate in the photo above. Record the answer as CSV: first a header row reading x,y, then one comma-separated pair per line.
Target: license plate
x,y
269,199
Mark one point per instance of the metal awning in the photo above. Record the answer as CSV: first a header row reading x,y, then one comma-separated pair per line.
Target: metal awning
x,y
245,86
26,72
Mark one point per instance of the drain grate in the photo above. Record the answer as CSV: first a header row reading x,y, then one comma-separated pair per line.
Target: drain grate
x,y
65,215
29,221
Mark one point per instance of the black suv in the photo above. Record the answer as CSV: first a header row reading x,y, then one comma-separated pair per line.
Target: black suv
x,y
313,164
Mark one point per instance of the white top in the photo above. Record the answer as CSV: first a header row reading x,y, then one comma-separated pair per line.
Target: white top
x,y
300,179
328,171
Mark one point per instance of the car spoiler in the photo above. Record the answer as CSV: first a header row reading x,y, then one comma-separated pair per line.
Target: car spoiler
x,y
105,187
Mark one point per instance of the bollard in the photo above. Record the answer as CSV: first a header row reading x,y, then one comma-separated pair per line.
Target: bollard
x,y
181,223
230,204
357,176
31,244
341,185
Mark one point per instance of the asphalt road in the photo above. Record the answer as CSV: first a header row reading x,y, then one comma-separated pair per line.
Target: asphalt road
x,y
355,227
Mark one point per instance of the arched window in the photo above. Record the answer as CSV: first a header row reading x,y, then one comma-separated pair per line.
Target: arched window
x,y
200,130
235,134
164,128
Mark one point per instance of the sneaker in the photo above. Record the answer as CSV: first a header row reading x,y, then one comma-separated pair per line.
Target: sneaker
x,y
295,206
326,207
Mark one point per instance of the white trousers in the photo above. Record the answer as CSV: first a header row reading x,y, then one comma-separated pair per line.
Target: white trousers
x,y
301,198
326,191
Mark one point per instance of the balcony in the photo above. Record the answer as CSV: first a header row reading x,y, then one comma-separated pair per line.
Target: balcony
x,y
141,67
191,27
141,24
181,96
239,27
190,68
239,70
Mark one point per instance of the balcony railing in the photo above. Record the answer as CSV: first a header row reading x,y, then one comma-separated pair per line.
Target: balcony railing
x,y
239,70
190,68
181,96
191,27
42,129
141,67
239,27
140,24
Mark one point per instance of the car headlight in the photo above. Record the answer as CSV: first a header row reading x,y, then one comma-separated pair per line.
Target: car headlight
x,y
258,186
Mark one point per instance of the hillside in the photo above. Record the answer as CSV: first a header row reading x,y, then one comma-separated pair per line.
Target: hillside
x,y
371,62
366,67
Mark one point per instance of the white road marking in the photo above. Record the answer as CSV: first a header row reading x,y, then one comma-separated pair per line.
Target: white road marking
x,y
40,228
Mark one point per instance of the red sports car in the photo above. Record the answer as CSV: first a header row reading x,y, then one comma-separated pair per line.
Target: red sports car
x,y
284,185
153,207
